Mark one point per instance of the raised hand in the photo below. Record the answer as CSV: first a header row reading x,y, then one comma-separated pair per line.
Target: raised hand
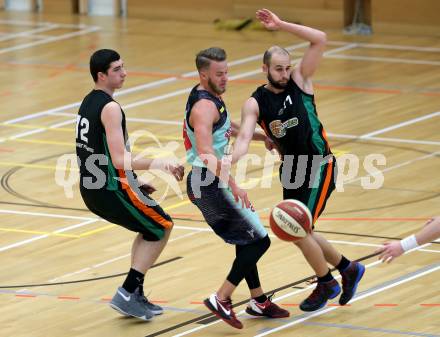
x,y
268,19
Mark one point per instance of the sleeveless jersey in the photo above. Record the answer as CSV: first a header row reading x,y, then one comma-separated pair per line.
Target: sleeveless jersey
x,y
290,119
92,150
221,130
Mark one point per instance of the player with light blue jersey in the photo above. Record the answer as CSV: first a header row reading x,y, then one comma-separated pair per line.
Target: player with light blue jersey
x,y
225,206
221,131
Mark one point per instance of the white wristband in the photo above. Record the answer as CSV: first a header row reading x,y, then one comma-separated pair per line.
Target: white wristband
x,y
409,243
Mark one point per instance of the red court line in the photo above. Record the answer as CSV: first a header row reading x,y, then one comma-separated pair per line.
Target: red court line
x,y
71,67
4,149
68,298
357,89
6,93
107,299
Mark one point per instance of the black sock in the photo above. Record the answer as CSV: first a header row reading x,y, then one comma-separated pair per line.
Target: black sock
x,y
141,285
261,299
326,278
133,280
343,264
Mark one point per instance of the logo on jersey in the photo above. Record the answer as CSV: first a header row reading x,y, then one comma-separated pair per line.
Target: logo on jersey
x,y
279,129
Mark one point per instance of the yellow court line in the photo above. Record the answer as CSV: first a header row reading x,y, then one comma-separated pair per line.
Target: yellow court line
x,y
38,232
37,166
186,202
101,229
34,126
35,141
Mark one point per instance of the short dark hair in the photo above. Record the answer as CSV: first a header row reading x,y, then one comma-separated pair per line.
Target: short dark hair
x,y
100,61
204,57
267,57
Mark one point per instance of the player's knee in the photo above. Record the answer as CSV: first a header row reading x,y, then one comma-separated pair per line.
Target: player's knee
x,y
302,242
264,244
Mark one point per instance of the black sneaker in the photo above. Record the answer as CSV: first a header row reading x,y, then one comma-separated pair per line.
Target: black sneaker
x,y
319,297
223,310
351,277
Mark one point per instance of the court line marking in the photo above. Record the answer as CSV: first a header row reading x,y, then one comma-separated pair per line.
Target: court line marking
x,y
385,59
28,32
372,291
402,124
159,97
364,294
40,24
50,39
388,46
369,329
132,89
98,265
27,231
168,95
396,166
384,139
48,215
195,230
172,79
39,237
55,127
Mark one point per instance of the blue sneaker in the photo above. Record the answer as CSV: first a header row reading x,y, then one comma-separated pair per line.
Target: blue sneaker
x,y
323,292
351,277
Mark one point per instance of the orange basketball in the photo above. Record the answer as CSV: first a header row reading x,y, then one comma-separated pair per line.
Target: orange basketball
x,y
290,220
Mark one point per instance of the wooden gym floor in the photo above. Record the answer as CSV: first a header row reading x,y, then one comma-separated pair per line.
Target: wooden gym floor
x,y
61,264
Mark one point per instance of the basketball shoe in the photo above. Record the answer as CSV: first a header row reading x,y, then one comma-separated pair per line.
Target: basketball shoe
x,y
351,277
130,305
267,309
223,310
320,295
154,308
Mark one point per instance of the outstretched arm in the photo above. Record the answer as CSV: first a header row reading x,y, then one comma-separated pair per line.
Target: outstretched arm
x,y
309,63
393,249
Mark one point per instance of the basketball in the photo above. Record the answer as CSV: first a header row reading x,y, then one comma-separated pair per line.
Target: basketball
x,y
290,220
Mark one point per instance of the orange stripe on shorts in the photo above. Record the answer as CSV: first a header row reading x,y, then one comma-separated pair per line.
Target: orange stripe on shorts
x,y
140,205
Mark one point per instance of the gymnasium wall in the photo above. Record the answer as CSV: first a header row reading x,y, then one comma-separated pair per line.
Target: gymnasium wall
x,y
387,16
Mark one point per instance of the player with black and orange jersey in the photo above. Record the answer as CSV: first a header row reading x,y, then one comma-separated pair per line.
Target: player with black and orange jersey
x,y
110,187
